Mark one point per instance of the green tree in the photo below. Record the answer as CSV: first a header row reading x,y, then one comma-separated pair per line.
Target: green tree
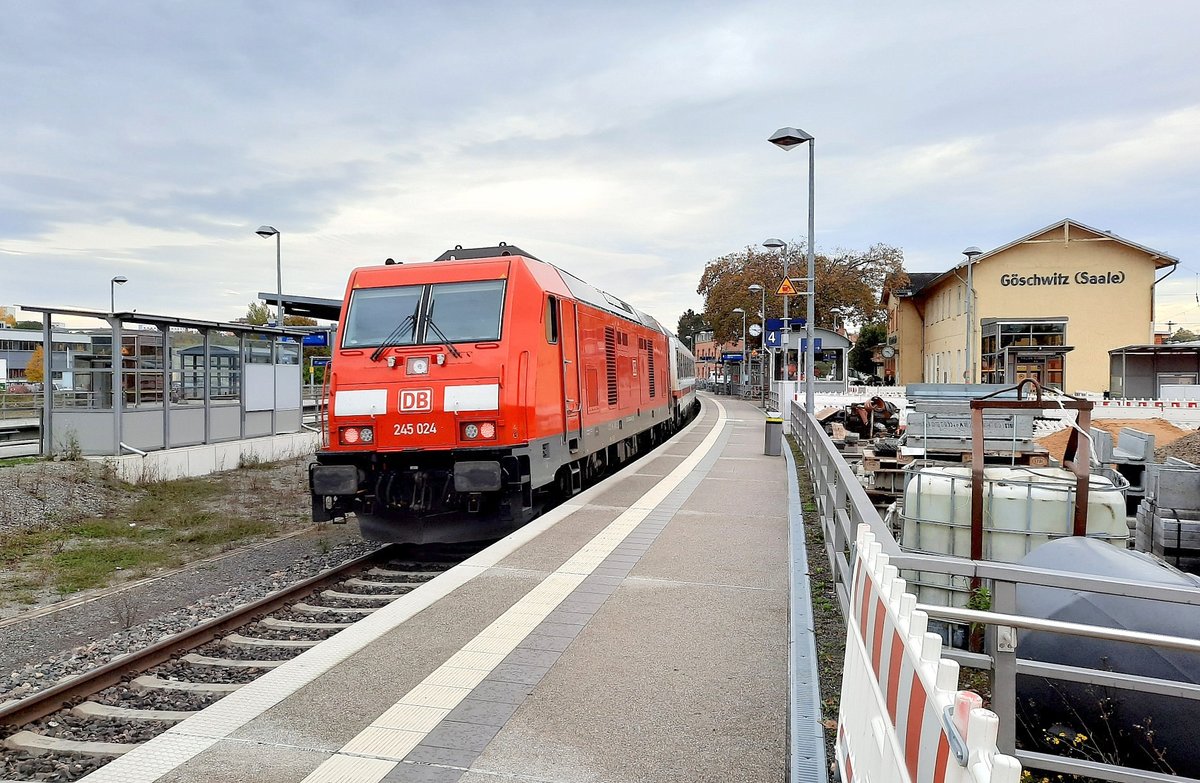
x,y
850,280
690,323
27,325
33,371
870,336
1182,336
258,313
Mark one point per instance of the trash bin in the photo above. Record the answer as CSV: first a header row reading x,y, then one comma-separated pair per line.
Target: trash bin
x,y
774,442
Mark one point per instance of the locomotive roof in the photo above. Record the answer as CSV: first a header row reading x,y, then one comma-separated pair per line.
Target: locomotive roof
x,y
585,292
460,253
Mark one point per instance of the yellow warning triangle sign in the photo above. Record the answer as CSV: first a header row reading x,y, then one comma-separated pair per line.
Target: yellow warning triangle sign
x,y
786,288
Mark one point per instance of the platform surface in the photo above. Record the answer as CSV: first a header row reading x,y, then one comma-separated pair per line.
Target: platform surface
x,y
637,633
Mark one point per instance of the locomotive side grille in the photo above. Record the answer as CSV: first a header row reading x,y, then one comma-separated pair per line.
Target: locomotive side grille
x,y
650,366
610,363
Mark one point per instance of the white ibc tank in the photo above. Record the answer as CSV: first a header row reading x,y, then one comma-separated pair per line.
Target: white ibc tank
x,y
1023,508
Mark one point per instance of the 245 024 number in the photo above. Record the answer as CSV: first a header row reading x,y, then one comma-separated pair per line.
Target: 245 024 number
x,y
415,428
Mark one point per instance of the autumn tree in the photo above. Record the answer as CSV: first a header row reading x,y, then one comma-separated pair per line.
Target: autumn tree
x,y
33,370
9,319
849,280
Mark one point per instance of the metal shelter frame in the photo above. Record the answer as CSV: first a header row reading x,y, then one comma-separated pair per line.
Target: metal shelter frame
x,y
106,431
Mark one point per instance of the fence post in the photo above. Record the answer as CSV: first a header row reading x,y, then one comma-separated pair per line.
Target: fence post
x,y
1002,646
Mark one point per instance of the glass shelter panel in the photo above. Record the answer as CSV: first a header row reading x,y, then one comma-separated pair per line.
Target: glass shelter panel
x,y
224,367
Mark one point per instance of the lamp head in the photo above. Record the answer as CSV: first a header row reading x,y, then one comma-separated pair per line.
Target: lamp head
x,y
120,279
786,138
266,231
972,251
738,310
774,244
755,287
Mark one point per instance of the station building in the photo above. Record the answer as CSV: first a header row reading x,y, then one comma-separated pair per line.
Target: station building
x,y
1048,306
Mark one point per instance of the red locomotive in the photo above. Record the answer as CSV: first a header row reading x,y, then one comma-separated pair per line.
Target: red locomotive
x,y
463,392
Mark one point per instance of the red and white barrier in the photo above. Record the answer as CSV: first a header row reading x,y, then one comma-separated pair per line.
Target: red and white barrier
x,y
902,719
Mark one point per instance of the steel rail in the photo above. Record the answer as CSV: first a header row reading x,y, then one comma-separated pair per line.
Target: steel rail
x,y
49,701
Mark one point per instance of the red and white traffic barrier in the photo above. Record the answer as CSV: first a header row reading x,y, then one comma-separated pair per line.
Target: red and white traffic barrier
x,y
902,719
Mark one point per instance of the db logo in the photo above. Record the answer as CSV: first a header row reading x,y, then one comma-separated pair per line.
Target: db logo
x,y
412,400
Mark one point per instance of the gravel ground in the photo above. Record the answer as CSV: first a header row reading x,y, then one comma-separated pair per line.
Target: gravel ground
x,y
1185,448
169,605
46,645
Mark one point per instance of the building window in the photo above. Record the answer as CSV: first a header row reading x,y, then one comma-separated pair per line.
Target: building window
x,y
1013,350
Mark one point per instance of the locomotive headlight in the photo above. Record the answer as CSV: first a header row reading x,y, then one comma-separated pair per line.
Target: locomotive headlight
x,y
418,365
479,430
349,435
366,434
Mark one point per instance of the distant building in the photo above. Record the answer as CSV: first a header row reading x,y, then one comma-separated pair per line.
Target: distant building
x,y
18,345
1048,306
1159,371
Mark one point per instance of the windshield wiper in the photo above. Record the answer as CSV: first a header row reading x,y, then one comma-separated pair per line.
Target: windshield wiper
x,y
391,339
453,351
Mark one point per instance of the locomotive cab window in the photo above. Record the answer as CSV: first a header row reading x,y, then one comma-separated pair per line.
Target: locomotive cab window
x,y
552,320
421,314
379,315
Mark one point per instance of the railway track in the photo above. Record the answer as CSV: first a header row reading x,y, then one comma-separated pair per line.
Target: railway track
x,y
76,726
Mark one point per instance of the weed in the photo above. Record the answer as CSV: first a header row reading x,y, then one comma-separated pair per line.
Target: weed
x,y
69,449
251,461
125,609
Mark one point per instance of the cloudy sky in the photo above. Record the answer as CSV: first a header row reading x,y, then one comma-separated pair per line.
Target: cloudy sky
x,y
622,141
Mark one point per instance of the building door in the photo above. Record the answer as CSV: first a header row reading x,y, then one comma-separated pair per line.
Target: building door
x,y
1028,367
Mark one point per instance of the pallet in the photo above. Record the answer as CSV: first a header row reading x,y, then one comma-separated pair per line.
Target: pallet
x,y
873,462
1029,459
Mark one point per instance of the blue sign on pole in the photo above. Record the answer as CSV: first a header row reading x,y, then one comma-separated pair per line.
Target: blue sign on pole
x,y
731,357
804,344
776,324
320,361
319,339
773,339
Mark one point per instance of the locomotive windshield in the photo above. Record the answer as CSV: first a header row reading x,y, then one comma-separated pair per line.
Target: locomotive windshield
x,y
422,314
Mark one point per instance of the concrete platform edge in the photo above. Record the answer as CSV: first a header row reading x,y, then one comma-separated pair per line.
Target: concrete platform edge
x,y
806,736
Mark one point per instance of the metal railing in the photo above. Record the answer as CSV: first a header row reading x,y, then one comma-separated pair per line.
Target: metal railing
x,y
842,505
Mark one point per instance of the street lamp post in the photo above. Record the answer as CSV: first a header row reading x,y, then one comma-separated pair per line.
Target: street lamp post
x,y
742,369
112,291
762,339
785,139
271,231
970,253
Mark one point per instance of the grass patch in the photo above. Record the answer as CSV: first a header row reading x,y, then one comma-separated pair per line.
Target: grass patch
x,y
164,527
92,564
8,462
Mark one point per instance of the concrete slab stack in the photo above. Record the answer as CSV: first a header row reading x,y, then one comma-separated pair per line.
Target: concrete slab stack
x,y
1168,517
